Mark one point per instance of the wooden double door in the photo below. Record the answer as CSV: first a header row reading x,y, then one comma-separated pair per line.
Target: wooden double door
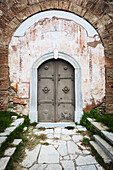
x,y
55,91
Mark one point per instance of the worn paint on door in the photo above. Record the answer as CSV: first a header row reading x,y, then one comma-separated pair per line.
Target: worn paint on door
x,y
56,91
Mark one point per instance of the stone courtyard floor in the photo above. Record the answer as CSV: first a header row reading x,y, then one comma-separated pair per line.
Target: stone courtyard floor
x,y
61,149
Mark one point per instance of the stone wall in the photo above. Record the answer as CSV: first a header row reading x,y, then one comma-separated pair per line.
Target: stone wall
x,y
66,36
98,12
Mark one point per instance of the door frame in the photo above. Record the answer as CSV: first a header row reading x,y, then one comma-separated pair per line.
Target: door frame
x,y
33,114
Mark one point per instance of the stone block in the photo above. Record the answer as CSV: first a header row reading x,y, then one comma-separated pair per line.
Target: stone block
x,y
62,149
17,122
3,162
73,148
108,149
68,165
100,152
77,138
48,154
38,167
87,167
54,166
99,126
16,142
85,160
9,151
2,139
31,157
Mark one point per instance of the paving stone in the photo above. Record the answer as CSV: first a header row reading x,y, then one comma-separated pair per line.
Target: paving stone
x,y
109,136
57,130
65,137
48,154
85,160
66,157
17,122
49,130
56,146
87,167
68,132
2,139
81,128
16,142
73,148
81,146
86,152
54,142
50,136
53,167
77,138
3,162
40,132
62,149
68,165
9,151
31,157
38,167
57,135
73,156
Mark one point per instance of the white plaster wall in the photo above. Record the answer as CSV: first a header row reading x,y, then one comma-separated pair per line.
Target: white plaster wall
x,y
66,36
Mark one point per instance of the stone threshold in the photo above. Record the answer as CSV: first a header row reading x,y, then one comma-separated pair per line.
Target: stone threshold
x,y
53,125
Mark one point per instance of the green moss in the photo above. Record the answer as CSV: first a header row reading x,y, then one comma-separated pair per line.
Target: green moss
x,y
85,141
33,124
5,119
95,114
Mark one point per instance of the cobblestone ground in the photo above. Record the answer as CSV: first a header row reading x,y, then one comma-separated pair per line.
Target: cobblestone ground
x,y
63,149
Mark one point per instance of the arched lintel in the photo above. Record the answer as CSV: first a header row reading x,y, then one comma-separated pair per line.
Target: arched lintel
x,y
33,115
61,55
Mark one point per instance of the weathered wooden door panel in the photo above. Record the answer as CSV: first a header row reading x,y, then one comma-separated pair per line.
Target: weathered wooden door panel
x,y
65,112
65,90
55,91
46,90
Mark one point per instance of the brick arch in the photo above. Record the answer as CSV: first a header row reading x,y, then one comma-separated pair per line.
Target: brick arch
x,y
97,12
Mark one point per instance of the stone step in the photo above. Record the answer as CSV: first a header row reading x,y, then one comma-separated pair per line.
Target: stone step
x,y
8,153
100,152
108,149
102,128
4,135
109,136
97,125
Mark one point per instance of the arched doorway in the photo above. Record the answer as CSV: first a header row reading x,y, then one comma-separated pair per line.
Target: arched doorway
x,y
56,91
74,87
